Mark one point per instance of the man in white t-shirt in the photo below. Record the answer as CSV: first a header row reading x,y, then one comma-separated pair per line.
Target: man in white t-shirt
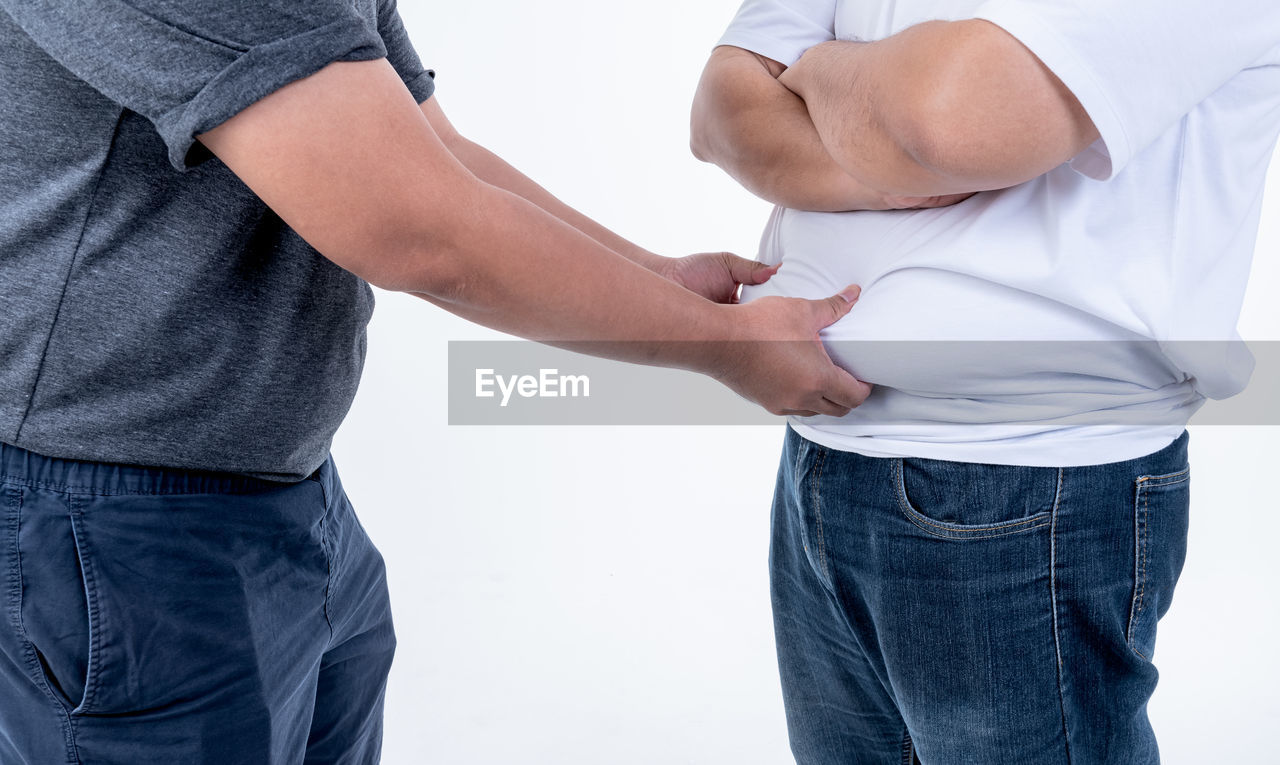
x,y
969,567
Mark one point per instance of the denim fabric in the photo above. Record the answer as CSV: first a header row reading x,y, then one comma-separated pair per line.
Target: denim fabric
x,y
953,613
163,616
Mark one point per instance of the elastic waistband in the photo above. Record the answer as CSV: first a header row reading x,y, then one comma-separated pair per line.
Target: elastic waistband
x,y
22,467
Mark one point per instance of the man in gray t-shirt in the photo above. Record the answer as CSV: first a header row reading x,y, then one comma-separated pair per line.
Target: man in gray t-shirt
x,y
194,200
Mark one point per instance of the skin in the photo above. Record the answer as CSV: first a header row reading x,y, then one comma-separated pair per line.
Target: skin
x,y
389,191
714,275
923,118
760,132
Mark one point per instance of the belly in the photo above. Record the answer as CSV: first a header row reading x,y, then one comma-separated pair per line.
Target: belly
x,y
935,321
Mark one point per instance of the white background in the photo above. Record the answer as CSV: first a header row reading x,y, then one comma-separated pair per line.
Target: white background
x,y
599,595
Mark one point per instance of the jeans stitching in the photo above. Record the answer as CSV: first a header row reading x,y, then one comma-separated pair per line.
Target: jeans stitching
x,y
908,747
797,455
960,532
1037,520
1165,480
1053,601
1141,521
1142,546
816,494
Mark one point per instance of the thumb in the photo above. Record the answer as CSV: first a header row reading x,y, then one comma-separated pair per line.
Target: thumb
x,y
830,310
746,271
847,390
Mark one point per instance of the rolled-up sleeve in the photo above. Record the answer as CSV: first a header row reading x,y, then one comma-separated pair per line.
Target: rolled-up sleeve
x,y
420,81
189,66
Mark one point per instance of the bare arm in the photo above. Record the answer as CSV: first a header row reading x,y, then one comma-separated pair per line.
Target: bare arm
x,y
761,134
940,108
713,275
351,163
494,170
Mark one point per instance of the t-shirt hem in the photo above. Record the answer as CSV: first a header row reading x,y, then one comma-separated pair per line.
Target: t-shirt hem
x,y
1067,447
296,467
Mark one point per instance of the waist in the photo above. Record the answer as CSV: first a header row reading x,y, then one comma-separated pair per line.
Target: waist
x,y
24,467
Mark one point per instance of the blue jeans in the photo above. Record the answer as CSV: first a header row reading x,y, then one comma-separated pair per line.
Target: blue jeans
x,y
952,613
162,616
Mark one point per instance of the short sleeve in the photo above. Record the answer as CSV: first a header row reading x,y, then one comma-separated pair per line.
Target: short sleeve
x,y
420,81
782,29
1139,66
188,65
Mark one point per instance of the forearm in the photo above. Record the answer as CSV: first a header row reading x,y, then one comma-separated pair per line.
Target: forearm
x,y
495,171
939,108
862,110
761,134
349,162
512,266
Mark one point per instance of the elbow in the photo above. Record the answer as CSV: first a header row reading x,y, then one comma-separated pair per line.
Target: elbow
x,y
713,110
936,117
916,145
953,148
423,254
700,133
424,270
697,147
925,131
426,245
428,261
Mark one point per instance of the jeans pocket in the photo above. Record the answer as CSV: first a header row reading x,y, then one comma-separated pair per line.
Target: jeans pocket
x,y
58,600
809,461
1160,519
961,500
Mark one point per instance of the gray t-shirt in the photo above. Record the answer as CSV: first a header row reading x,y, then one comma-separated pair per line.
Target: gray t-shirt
x,y
153,310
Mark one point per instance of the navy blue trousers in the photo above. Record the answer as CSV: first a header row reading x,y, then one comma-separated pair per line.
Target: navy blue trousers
x,y
163,616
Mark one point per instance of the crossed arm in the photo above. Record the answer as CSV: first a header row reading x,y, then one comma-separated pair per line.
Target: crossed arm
x,y
922,118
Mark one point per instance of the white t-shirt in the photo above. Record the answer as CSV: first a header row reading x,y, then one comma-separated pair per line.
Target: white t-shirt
x,y
1141,241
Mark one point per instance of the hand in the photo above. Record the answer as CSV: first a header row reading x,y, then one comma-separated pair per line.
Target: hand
x,y
779,362
715,275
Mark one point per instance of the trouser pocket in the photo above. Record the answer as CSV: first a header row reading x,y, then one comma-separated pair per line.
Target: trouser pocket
x,y
1160,518
133,603
57,599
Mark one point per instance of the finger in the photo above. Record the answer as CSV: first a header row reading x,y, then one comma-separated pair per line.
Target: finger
x,y
830,310
746,271
798,413
843,389
833,409
925,203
